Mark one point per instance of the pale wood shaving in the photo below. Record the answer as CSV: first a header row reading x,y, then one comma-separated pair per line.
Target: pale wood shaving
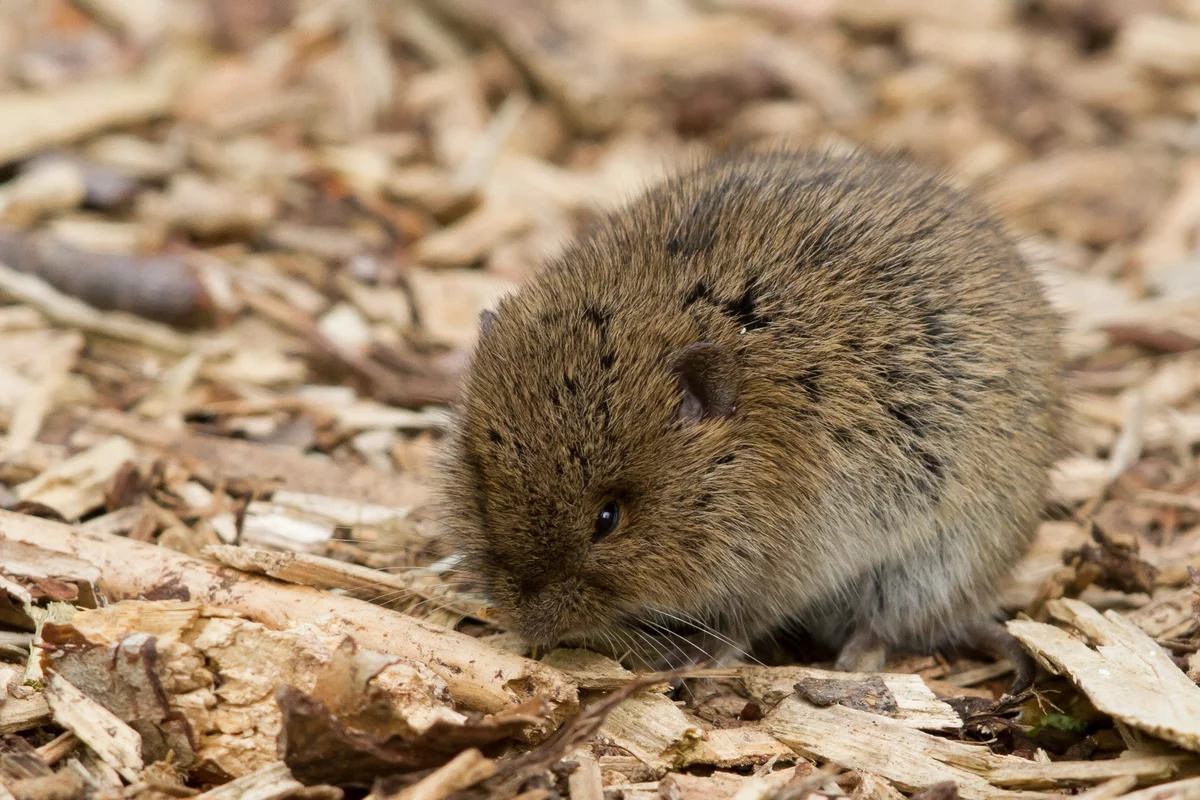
x,y
654,729
32,122
585,782
1127,675
910,759
326,573
77,485
19,714
116,743
466,769
269,783
321,197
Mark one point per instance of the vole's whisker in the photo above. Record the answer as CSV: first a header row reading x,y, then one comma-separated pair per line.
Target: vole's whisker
x,y
695,622
655,648
668,632
624,640
670,635
408,569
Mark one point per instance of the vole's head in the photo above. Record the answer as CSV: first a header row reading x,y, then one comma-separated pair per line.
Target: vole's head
x,y
592,468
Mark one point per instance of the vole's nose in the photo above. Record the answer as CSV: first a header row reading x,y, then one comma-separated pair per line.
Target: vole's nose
x,y
543,615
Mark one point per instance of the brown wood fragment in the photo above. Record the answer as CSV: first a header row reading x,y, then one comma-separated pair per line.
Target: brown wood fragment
x,y
872,787
77,485
197,681
159,288
71,312
39,572
916,705
345,738
58,748
871,694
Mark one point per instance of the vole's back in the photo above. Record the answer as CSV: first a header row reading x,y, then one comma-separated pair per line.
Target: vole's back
x,y
889,331
897,392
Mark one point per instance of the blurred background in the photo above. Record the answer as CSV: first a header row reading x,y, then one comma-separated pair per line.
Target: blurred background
x,y
276,221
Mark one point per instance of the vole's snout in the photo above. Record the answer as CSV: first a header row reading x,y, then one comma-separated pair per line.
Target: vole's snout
x,y
544,615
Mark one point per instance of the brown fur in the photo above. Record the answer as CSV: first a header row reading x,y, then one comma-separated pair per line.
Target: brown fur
x,y
861,446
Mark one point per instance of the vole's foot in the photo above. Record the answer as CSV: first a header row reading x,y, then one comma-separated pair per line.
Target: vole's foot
x,y
862,652
994,639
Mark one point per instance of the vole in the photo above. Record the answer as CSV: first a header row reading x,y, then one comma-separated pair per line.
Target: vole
x,y
780,389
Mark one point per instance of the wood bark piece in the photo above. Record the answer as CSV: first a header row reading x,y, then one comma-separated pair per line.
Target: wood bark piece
x,y
466,769
873,787
162,288
16,606
40,191
69,312
1037,775
734,748
1125,673
49,576
269,783
58,748
1179,790
472,237
585,782
479,677
77,485
724,786
1168,615
916,704
116,743
268,466
20,714
910,759
390,589
718,786
61,356
558,49
199,682
32,122
449,301
654,729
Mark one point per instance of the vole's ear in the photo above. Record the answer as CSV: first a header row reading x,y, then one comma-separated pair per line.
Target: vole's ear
x,y
486,318
709,379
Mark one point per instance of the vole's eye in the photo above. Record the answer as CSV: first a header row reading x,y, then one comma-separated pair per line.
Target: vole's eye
x,y
606,520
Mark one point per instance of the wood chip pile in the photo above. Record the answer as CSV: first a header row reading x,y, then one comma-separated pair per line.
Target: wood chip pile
x,y
243,249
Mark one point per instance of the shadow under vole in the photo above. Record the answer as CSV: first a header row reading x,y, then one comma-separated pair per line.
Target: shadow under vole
x,y
780,388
